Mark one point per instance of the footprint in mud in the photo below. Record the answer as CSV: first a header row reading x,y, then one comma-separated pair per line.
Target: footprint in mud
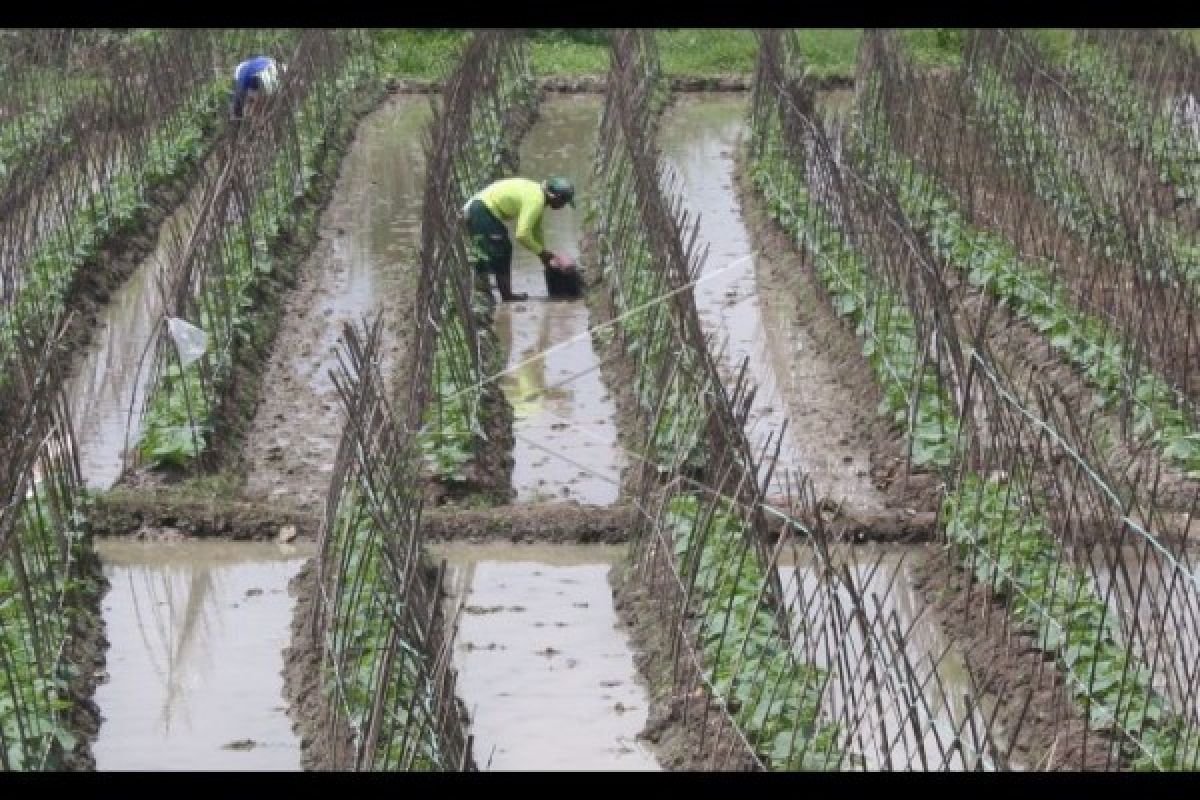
x,y
240,744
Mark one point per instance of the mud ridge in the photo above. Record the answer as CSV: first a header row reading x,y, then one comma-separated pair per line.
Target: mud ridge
x,y
312,719
1006,663
686,730
902,485
85,651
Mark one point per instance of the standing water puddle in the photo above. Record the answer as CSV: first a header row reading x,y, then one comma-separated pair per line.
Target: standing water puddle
x,y
111,380
196,632
546,675
364,264
699,138
564,417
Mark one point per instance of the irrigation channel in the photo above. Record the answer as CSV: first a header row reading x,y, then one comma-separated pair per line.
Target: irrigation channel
x,y
109,385
744,305
196,629
546,675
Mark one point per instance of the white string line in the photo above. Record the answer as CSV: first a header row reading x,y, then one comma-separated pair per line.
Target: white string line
x,y
1037,421
606,324
771,510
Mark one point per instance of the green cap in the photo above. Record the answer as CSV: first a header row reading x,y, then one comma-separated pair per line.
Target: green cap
x,y
561,187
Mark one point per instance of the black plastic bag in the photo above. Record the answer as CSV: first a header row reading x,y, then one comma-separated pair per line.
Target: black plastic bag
x,y
563,283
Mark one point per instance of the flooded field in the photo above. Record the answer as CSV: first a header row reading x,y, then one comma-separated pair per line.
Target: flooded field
x,y
196,632
109,386
363,265
546,674
564,418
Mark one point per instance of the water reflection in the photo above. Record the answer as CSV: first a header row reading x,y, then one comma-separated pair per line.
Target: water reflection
x,y
196,632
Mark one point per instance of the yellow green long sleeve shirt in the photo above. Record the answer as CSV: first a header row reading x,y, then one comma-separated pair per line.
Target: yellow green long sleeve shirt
x,y
523,200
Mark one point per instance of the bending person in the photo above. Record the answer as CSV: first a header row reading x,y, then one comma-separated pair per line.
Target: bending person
x,y
252,76
523,201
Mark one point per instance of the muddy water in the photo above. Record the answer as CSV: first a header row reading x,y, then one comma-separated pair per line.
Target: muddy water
x,y
795,380
546,675
564,417
363,264
196,632
939,679
111,379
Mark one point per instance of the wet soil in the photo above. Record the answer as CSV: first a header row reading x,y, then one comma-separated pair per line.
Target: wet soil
x,y
171,513
85,650
560,523
364,264
686,728
1032,698
175,513
739,301
312,717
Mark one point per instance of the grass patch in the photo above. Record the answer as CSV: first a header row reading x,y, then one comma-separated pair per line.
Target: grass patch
x,y
559,52
1055,43
934,47
707,51
829,51
426,54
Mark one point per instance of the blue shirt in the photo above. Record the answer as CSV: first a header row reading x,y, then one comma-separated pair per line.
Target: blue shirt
x,y
245,78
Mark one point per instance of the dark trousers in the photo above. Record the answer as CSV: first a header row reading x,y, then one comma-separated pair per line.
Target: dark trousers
x,y
491,247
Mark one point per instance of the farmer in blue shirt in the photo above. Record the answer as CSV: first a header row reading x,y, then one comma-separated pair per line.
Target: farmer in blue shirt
x,y
258,74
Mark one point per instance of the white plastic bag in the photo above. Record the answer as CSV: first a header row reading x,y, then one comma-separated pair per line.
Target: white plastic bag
x,y
190,341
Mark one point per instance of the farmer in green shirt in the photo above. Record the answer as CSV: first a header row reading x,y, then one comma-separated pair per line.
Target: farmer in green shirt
x,y
506,200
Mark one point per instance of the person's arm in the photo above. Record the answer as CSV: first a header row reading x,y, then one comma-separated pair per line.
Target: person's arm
x,y
529,230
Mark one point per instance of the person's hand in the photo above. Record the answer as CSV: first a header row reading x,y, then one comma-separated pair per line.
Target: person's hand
x,y
562,264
